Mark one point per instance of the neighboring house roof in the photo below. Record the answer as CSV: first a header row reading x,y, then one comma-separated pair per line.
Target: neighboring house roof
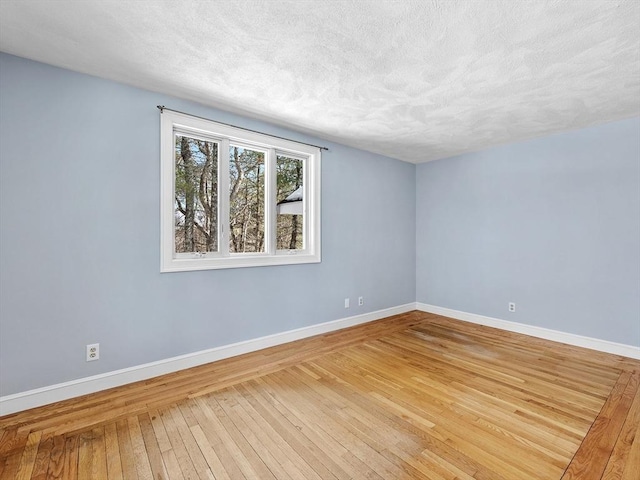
x,y
294,197
292,204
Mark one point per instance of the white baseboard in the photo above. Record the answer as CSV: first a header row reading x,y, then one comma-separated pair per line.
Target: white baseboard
x,y
548,334
82,386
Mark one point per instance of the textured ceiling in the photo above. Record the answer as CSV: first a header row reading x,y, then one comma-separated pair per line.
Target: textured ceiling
x,y
412,79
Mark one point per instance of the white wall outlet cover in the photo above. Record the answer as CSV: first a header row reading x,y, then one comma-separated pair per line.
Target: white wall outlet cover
x,y
93,352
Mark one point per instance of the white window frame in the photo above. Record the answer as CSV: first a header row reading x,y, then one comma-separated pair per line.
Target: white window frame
x,y
172,122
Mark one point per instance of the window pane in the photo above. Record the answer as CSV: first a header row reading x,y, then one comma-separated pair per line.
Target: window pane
x,y
196,195
290,215
246,206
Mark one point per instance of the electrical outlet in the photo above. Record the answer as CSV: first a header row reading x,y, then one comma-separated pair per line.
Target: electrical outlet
x,y
93,352
346,303
360,301
512,307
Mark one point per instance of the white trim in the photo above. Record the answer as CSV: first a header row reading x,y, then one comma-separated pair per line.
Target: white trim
x,y
82,386
539,332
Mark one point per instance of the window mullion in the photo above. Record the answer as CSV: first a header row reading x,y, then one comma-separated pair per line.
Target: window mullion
x,y
224,199
270,202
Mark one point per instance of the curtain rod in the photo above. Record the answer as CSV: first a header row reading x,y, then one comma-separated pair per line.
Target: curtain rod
x,y
162,108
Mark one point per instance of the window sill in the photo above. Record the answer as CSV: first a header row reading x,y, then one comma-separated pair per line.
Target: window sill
x,y
194,264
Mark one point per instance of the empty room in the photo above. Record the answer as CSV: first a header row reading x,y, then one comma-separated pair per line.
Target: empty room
x,y
320,239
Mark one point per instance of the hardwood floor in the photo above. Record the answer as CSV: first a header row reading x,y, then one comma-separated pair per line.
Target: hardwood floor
x,y
415,396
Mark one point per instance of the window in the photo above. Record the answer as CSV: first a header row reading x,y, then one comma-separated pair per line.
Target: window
x,y
234,198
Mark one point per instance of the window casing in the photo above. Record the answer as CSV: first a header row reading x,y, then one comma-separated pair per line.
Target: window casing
x,y
235,198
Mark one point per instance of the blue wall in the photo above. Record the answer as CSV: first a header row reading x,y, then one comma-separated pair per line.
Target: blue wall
x,y
80,246
552,224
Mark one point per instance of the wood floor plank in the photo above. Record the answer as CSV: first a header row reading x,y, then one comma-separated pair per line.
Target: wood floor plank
x,y
13,439
169,458
70,461
626,452
431,440
114,463
127,455
313,444
171,419
414,396
140,457
396,448
56,460
213,460
287,456
98,454
631,465
405,405
260,449
10,464
251,460
315,408
151,446
593,455
43,458
85,463
225,464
